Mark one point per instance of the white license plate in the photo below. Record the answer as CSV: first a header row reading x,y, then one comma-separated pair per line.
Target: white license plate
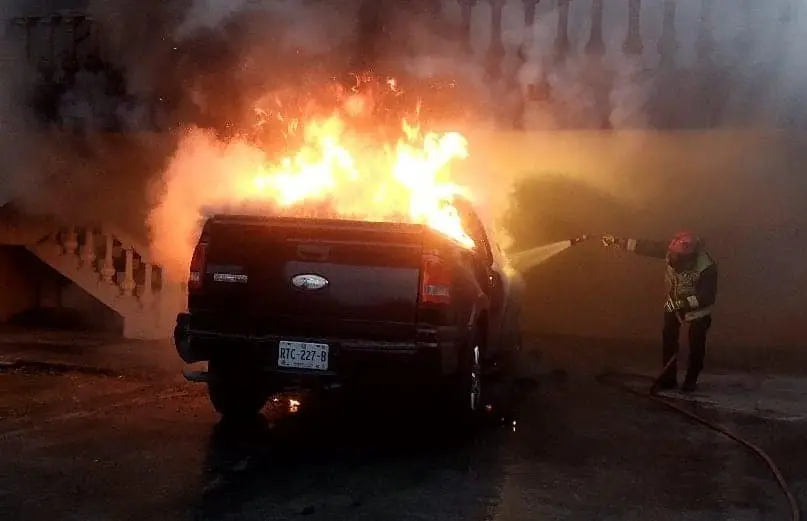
x,y
302,355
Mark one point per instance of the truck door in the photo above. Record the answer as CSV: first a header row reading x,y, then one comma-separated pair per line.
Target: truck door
x,y
491,280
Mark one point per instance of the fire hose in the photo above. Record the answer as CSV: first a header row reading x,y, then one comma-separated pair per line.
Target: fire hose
x,y
613,379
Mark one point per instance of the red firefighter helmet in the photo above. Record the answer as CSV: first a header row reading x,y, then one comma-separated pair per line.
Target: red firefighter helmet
x,y
682,250
684,243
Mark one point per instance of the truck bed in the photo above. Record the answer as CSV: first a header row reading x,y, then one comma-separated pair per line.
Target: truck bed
x,y
372,269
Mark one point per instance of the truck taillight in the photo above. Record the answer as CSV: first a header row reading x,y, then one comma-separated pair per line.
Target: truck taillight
x,y
197,270
436,286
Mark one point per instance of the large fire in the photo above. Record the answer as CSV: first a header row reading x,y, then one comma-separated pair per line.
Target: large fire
x,y
339,162
407,180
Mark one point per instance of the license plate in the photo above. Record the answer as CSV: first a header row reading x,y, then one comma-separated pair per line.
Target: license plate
x,y
302,355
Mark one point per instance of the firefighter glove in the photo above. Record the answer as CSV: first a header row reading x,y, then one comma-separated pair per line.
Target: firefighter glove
x,y
579,239
610,241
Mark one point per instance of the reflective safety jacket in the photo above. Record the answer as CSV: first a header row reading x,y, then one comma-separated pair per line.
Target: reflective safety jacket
x,y
695,289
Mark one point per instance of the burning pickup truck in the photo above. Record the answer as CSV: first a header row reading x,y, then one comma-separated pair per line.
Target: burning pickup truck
x,y
279,302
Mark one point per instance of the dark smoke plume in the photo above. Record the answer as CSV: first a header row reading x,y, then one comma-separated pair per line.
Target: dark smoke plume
x,y
203,64
178,64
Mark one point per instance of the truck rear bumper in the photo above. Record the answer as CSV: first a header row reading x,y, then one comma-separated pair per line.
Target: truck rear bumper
x,y
351,361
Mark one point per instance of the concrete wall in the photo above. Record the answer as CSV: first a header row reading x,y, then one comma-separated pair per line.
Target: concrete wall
x,y
18,290
95,315
26,283
744,192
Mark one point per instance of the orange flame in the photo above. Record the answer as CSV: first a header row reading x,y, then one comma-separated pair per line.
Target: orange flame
x,y
405,181
335,163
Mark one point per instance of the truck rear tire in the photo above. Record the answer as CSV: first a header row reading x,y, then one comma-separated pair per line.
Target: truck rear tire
x,y
235,394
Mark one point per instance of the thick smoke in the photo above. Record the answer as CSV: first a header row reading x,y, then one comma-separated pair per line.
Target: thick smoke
x,y
203,63
64,154
732,176
174,66
284,55
698,64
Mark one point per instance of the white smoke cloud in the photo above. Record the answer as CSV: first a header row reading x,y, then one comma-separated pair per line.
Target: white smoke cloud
x,y
629,95
228,53
311,27
209,14
760,87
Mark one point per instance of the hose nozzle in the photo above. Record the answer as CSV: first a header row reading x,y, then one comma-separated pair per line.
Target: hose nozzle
x,y
579,239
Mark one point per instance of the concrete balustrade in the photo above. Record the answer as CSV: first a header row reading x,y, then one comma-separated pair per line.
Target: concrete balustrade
x,y
119,273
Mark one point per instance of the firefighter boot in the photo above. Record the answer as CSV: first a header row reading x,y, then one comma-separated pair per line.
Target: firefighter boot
x,y
697,352
672,328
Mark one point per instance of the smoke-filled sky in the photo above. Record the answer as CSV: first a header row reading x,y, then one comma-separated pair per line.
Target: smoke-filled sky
x,y
207,63
209,60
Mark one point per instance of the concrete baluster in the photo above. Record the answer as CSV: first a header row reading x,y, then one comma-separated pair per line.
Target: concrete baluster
x,y
539,89
633,45
596,44
128,284
88,251
108,269
71,241
668,43
529,13
148,294
562,43
705,43
496,50
466,6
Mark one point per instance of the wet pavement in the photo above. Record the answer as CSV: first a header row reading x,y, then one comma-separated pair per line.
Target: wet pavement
x,y
88,446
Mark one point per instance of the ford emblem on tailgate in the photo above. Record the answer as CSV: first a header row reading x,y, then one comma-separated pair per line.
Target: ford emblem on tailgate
x,y
309,281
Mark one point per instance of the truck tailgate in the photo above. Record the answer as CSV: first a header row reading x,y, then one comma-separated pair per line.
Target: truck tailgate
x,y
372,270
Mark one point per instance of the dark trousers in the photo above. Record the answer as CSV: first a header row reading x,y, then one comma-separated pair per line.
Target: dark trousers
x,y
697,345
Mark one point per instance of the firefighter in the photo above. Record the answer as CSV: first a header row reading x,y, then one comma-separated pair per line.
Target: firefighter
x,y
691,277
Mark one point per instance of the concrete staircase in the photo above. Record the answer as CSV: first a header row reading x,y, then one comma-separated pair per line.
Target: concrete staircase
x,y
108,265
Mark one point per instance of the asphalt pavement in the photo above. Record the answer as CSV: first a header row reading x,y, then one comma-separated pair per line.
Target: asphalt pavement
x,y
85,445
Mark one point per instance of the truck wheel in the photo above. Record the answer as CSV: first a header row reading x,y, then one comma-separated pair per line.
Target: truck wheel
x,y
465,394
233,394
